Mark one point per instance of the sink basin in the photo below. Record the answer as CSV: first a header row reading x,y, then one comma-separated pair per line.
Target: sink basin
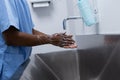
x,y
97,58
100,57
52,66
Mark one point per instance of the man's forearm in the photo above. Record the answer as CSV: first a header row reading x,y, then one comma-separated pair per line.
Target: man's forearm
x,y
17,38
14,37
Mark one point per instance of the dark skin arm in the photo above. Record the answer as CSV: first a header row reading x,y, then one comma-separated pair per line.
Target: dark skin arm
x,y
14,37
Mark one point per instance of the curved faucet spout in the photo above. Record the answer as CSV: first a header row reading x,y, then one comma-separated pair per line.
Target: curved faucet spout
x,y
69,18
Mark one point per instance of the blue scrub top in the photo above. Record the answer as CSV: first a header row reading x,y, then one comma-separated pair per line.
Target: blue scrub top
x,y
17,14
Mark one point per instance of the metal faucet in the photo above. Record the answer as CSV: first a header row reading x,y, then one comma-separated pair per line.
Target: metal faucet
x,y
69,18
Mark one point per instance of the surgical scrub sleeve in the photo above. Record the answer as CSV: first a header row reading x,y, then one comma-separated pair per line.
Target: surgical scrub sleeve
x,y
13,13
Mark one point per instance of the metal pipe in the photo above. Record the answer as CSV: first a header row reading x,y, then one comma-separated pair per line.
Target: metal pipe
x,y
69,18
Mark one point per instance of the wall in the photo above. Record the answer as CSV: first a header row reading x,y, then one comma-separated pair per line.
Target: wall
x,y
49,20
109,16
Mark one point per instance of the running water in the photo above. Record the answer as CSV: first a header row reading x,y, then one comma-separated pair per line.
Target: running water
x,y
77,65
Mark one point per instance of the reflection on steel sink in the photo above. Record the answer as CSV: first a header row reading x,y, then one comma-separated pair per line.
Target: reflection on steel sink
x,y
97,58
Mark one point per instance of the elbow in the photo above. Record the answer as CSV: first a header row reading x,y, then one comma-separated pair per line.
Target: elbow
x,y
10,36
8,41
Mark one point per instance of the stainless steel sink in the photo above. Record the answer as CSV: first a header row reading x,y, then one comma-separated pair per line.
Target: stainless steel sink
x,y
53,66
97,58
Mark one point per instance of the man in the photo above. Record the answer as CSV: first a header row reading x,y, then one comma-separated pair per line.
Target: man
x,y
17,37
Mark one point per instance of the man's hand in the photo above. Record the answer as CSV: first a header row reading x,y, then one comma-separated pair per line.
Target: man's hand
x,y
63,40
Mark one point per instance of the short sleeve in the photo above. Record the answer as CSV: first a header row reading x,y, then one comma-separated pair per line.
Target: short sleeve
x,y
8,15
